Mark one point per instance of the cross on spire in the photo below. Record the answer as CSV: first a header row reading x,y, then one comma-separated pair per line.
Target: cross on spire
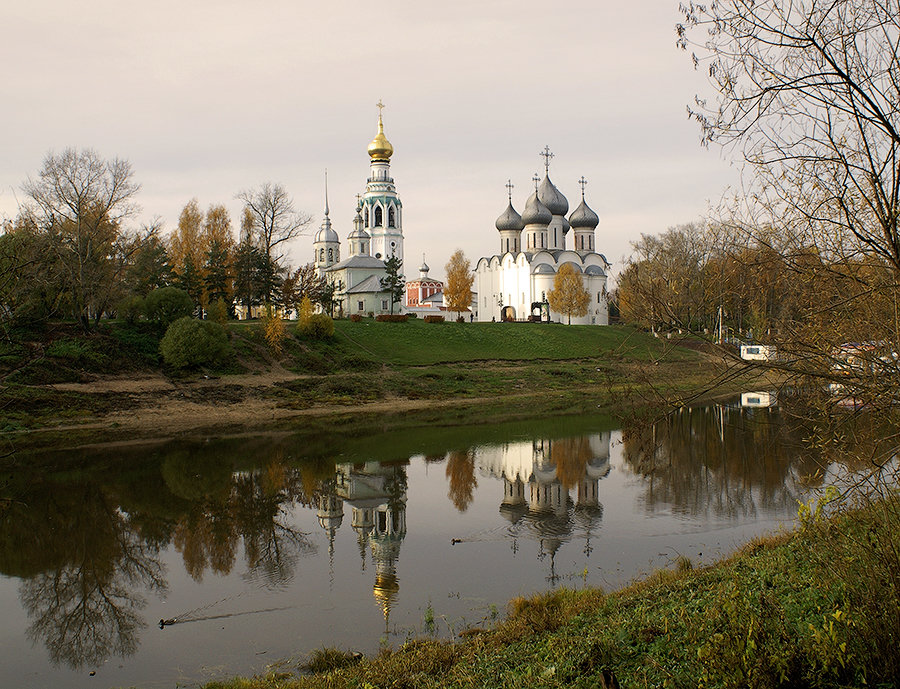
x,y
546,155
380,106
326,191
535,179
509,187
583,183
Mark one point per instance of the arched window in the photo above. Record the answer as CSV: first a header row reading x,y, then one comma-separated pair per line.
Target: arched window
x,y
330,255
367,216
378,216
392,217
322,255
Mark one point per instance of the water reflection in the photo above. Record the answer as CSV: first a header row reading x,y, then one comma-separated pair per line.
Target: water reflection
x,y
87,544
376,496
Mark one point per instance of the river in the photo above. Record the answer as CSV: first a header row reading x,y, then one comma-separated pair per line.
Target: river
x,y
259,548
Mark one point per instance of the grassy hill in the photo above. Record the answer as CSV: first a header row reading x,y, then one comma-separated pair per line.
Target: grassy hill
x,y
416,343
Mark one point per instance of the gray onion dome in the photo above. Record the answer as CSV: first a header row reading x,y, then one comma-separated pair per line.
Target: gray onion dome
x,y
326,234
551,197
510,220
584,217
359,233
536,213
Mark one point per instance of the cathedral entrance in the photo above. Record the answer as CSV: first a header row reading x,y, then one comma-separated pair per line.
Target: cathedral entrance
x,y
508,313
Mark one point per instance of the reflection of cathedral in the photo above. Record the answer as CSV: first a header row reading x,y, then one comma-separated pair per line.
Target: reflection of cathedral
x,y
376,495
537,480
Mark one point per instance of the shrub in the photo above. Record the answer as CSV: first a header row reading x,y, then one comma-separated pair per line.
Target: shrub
x,y
189,342
355,318
320,326
273,329
167,304
305,312
433,319
392,318
131,308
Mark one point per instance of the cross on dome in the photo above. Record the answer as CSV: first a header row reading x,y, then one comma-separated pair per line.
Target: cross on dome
x,y
582,183
546,155
536,180
509,187
380,106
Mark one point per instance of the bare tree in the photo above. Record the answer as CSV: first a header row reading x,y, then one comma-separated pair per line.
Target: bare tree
x,y
81,200
811,90
271,217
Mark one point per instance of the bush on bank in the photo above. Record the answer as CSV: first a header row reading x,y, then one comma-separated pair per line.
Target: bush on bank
x,y
189,343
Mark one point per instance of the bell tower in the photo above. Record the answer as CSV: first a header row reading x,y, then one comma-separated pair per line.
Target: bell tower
x,y
382,211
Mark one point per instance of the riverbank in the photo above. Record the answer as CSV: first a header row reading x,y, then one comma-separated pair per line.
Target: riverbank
x,y
111,382
817,607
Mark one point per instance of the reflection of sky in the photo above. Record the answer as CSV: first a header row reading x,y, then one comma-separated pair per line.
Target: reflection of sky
x,y
331,601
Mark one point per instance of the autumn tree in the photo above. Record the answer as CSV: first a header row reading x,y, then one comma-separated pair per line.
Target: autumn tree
x,y
217,245
569,296
458,290
80,201
185,253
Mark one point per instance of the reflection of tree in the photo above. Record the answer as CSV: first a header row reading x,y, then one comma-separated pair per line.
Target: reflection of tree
x,y
271,546
727,461
571,456
461,472
89,567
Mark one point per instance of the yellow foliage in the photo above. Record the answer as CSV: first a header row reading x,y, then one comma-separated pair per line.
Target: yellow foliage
x,y
569,295
458,292
305,312
273,329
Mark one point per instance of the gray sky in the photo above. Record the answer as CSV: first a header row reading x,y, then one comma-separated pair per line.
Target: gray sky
x,y
208,98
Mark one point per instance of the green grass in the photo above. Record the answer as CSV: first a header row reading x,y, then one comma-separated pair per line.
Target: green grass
x,y
416,343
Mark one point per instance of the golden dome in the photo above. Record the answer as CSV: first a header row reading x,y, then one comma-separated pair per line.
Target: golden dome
x,y
380,148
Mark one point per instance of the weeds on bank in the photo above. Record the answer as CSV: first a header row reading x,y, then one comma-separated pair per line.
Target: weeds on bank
x,y
794,610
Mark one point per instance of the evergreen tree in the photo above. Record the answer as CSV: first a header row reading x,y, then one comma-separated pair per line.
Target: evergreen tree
x,y
394,282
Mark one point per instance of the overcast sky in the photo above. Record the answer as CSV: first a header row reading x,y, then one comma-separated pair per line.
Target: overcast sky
x,y
208,98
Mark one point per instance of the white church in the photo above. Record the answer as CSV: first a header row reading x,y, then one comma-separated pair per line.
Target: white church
x,y
513,284
376,236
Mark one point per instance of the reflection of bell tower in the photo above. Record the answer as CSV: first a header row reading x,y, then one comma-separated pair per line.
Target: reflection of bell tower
x,y
388,534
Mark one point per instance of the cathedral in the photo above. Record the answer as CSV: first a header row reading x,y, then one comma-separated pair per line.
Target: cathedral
x,y
513,284
376,236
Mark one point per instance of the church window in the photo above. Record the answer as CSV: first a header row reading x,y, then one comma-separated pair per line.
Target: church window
x,y
367,216
331,254
378,216
321,254
392,217
384,304
361,305
599,297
